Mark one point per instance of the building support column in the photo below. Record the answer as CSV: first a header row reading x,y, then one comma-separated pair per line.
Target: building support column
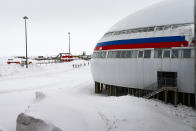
x,y
110,90
175,98
97,87
101,90
158,96
183,99
129,91
189,99
165,94
132,92
115,91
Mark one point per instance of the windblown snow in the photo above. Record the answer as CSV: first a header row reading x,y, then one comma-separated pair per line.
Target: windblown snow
x,y
64,96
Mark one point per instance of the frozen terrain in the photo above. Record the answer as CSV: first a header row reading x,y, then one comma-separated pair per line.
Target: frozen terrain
x,y
64,96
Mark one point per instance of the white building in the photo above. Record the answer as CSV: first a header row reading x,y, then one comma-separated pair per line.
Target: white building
x,y
148,51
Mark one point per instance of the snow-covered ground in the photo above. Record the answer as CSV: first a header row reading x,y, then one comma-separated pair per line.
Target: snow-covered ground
x,y
64,96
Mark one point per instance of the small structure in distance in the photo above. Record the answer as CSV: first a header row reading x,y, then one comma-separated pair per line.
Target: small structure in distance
x,y
65,57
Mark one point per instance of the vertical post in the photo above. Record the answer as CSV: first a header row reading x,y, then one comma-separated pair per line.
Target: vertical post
x,y
95,87
137,92
101,88
69,42
183,99
165,92
189,99
25,18
158,96
175,98
115,90
110,90
195,46
98,87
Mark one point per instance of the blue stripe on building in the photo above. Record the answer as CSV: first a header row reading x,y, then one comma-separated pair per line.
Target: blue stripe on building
x,y
144,40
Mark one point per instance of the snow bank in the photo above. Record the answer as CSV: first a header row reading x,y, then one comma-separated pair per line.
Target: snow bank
x,y
9,70
12,69
29,123
98,113
72,105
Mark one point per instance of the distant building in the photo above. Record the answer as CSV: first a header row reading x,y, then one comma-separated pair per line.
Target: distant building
x,y
65,57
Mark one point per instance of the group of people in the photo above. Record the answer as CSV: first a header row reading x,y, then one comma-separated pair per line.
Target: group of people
x,y
79,65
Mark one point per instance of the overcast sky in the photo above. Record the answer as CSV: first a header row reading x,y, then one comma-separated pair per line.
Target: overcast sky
x,y
50,21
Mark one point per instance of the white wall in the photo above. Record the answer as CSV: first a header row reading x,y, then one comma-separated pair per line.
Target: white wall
x,y
140,73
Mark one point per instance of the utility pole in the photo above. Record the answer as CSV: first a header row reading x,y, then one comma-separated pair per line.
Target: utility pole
x,y
25,18
195,45
69,42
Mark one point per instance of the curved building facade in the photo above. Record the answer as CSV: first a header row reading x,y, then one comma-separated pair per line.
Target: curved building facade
x,y
149,49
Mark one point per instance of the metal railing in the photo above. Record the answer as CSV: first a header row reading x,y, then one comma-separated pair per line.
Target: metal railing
x,y
161,85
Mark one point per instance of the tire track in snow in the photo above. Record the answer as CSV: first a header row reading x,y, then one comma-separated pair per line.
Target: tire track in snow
x,y
111,125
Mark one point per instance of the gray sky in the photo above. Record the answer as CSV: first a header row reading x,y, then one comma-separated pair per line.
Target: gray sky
x,y
51,20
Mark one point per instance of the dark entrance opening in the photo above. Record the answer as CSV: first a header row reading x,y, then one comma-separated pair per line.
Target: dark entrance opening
x,y
166,79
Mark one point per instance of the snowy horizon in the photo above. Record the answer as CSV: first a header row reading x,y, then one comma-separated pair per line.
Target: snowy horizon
x,y
50,21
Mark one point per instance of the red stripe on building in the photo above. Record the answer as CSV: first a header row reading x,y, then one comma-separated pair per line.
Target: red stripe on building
x,y
144,45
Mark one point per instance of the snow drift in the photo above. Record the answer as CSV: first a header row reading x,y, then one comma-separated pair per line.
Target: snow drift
x,y
29,123
64,96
